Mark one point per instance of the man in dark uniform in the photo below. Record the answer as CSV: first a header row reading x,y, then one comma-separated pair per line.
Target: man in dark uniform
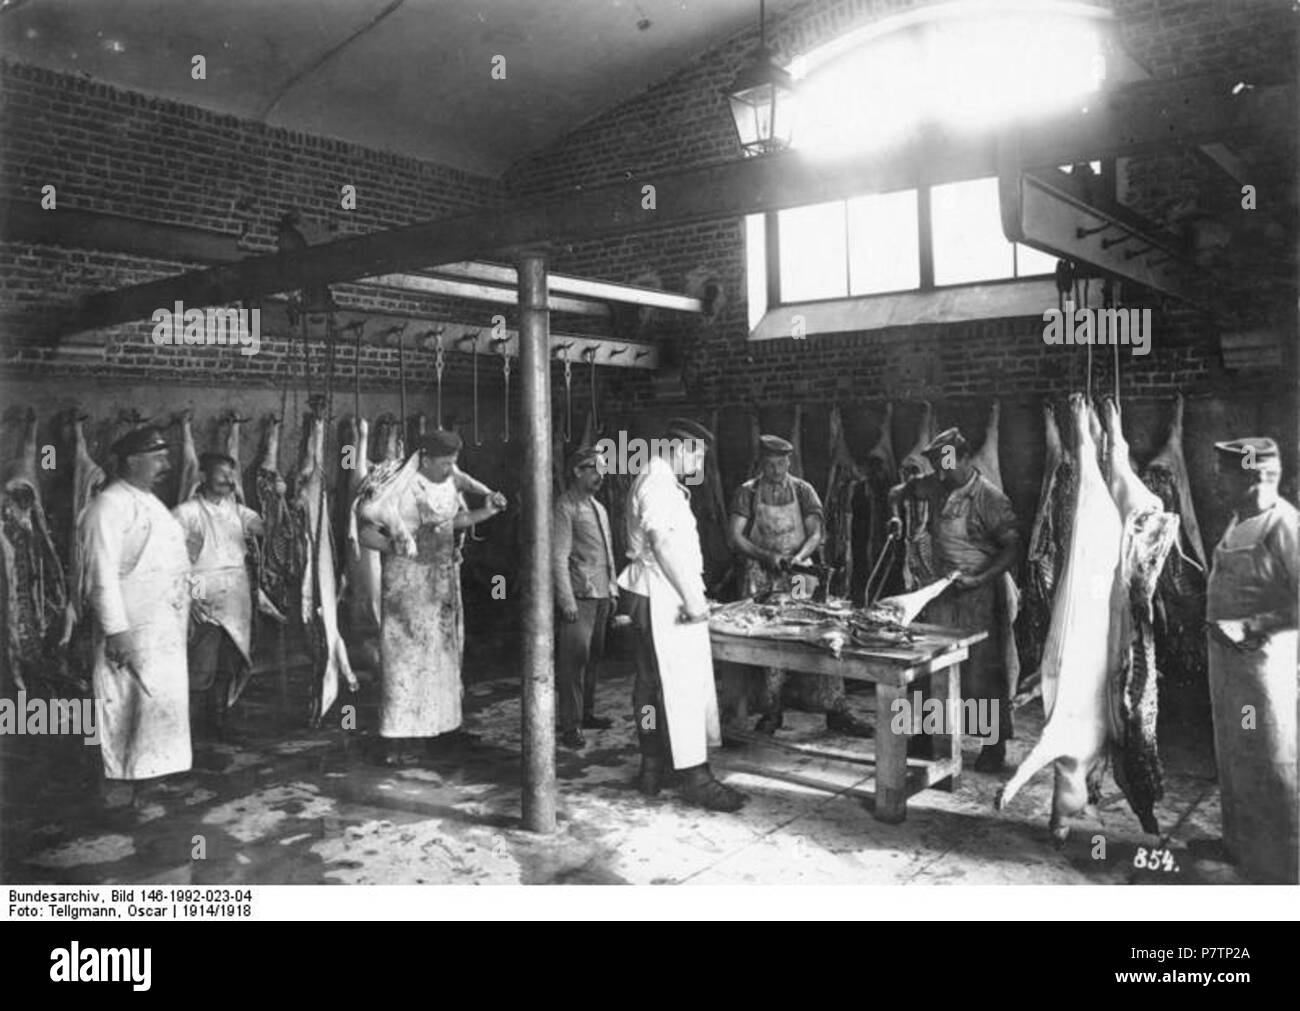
x,y
776,525
973,530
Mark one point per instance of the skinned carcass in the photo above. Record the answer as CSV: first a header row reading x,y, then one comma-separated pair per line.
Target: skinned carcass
x,y
189,476
234,425
918,557
33,601
280,552
1149,535
1076,658
871,513
88,479
841,487
1180,591
364,565
1045,555
319,586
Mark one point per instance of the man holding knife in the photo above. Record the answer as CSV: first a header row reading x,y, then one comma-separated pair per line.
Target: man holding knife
x,y
136,583
776,525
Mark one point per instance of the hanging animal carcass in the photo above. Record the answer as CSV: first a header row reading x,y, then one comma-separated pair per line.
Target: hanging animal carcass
x,y
1076,658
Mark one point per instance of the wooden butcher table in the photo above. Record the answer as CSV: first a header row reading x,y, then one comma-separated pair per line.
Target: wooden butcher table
x,y
936,654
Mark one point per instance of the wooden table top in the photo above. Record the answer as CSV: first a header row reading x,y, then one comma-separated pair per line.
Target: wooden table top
x,y
935,647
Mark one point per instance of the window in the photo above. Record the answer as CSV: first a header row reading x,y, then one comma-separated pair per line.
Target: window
x,y
872,245
964,67
967,240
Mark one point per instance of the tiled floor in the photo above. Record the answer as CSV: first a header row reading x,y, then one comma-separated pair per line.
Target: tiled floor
x,y
290,805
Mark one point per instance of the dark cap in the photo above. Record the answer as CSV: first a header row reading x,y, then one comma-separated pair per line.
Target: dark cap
x,y
583,455
774,445
948,437
439,442
209,460
685,428
145,439
1248,452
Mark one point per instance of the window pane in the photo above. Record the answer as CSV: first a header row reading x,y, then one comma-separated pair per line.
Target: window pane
x,y
1030,262
883,254
813,252
756,267
967,231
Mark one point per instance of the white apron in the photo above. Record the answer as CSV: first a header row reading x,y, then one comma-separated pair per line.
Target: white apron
x,y
220,572
1257,767
147,735
683,652
422,630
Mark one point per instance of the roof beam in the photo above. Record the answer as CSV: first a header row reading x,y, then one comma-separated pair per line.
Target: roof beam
x,y
436,284
566,284
1135,119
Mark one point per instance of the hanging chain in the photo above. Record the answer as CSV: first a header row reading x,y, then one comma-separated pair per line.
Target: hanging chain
x,y
439,363
504,344
568,398
474,352
401,374
590,354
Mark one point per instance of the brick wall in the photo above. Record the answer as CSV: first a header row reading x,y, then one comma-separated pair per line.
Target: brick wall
x,y
683,120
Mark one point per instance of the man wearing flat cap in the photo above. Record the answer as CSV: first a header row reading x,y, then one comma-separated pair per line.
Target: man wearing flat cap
x,y
973,531
136,585
217,528
1251,615
582,568
775,526
675,701
422,632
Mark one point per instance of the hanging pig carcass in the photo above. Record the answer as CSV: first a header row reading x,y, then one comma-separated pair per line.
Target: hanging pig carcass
x,y
1045,555
1076,658
1180,591
1149,533
319,587
33,594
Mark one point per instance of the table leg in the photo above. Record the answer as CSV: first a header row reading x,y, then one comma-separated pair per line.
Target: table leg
x,y
945,685
891,759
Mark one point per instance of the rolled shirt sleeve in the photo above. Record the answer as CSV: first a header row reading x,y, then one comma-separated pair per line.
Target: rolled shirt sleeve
x,y
996,518
742,501
810,503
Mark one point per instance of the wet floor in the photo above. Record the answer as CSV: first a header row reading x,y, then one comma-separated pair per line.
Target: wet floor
x,y
281,804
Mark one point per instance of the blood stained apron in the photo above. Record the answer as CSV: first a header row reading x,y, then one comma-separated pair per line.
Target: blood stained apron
x,y
140,572
422,632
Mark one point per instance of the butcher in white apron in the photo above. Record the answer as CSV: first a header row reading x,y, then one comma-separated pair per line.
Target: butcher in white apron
x,y
422,628
216,529
674,700
973,532
137,588
1251,611
775,525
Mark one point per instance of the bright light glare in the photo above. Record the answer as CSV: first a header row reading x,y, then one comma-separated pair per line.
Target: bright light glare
x,y
813,252
968,241
883,247
965,72
756,261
